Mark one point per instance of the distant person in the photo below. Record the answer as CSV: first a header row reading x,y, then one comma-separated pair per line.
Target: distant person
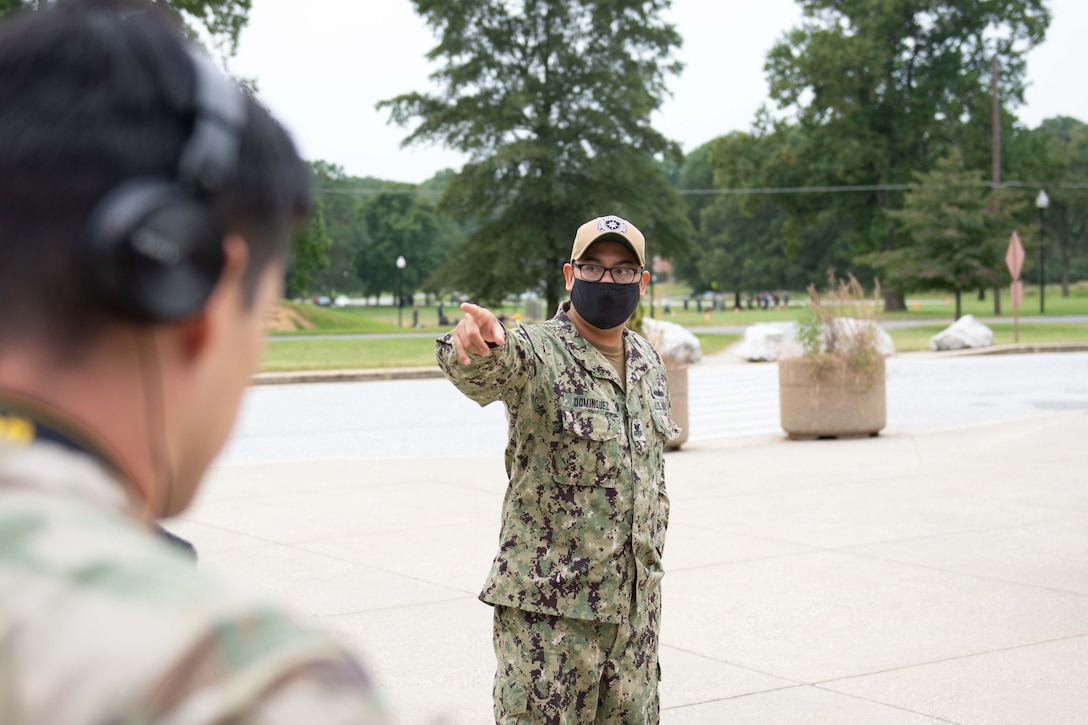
x,y
576,582
146,206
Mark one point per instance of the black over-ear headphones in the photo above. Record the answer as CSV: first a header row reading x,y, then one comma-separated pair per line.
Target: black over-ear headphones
x,y
156,247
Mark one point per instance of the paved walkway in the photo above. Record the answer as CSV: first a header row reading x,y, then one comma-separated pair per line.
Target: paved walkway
x,y
937,576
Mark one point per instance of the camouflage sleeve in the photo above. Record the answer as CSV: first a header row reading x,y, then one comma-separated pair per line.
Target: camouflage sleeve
x,y
327,692
263,668
499,376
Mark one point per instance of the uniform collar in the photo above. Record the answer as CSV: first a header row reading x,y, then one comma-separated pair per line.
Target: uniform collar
x,y
593,360
41,450
48,468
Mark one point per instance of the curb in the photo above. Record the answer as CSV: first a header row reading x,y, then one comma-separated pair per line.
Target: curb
x,y
1013,349
346,376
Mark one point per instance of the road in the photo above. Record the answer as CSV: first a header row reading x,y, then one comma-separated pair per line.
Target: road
x,y
727,402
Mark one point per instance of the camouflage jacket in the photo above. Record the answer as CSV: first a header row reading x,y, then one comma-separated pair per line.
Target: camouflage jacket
x,y
102,621
585,511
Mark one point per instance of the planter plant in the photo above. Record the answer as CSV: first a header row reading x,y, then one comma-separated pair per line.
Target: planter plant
x,y
835,388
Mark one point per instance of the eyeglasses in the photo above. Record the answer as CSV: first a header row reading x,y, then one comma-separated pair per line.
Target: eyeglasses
x,y
595,273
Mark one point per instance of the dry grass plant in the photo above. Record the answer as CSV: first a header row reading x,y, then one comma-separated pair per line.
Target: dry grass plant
x,y
840,329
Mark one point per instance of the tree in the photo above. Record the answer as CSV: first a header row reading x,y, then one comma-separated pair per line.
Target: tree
x,y
884,89
342,200
760,242
369,223
400,223
221,20
551,99
960,230
1066,155
309,253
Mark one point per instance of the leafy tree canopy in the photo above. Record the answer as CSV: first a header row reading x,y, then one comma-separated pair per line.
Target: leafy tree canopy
x,y
401,223
882,89
960,229
1062,152
341,204
309,253
551,99
220,20
370,222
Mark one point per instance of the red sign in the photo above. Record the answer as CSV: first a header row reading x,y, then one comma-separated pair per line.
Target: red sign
x,y
1014,257
1017,293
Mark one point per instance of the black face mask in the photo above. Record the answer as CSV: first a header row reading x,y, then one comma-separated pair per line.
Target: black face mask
x,y
604,304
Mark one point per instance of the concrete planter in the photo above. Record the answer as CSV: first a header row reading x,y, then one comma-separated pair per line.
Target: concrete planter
x,y
836,403
678,395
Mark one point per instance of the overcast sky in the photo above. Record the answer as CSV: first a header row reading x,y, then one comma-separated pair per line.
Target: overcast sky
x,y
322,74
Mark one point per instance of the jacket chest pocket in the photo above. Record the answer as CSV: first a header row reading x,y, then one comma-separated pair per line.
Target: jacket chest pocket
x,y
666,429
589,448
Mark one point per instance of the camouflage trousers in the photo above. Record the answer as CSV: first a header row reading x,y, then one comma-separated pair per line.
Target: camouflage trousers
x,y
562,671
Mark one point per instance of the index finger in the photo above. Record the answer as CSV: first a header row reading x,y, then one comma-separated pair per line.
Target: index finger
x,y
472,309
489,326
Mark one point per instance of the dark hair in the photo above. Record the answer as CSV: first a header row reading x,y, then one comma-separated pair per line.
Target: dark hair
x,y
93,93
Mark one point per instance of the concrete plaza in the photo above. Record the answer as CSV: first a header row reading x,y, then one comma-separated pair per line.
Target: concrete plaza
x,y
928,576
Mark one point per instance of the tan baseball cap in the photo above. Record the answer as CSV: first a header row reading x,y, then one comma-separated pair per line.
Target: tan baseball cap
x,y
609,228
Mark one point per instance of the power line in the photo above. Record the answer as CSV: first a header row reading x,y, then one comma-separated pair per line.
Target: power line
x,y
878,187
801,189
372,192
764,190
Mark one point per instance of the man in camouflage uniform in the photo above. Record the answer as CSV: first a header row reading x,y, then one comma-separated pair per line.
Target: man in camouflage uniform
x,y
576,582
145,213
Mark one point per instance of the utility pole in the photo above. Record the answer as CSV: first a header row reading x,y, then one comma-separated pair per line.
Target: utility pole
x,y
995,122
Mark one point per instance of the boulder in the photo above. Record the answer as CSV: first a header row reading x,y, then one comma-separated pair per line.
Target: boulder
x,y
850,326
963,333
673,342
768,341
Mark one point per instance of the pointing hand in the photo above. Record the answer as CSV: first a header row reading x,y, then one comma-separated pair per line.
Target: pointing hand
x,y
478,328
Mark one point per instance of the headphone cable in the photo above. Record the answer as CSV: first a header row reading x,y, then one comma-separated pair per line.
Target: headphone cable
x,y
155,415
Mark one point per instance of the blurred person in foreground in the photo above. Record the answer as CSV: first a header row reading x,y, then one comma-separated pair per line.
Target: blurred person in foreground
x,y
576,582
146,206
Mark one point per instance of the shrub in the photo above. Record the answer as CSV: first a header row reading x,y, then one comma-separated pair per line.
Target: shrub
x,y
840,327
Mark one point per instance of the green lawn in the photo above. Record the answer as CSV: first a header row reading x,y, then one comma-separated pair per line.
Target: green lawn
x,y
286,355
909,339
364,319
928,306
933,306
396,352
713,344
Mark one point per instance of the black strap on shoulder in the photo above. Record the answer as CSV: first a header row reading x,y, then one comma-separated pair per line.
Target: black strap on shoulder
x,y
21,427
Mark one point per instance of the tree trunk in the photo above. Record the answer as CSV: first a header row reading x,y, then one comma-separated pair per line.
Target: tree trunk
x,y
894,302
1063,244
958,307
997,301
552,289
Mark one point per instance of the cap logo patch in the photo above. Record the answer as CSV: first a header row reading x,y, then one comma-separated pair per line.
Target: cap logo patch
x,y
612,224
